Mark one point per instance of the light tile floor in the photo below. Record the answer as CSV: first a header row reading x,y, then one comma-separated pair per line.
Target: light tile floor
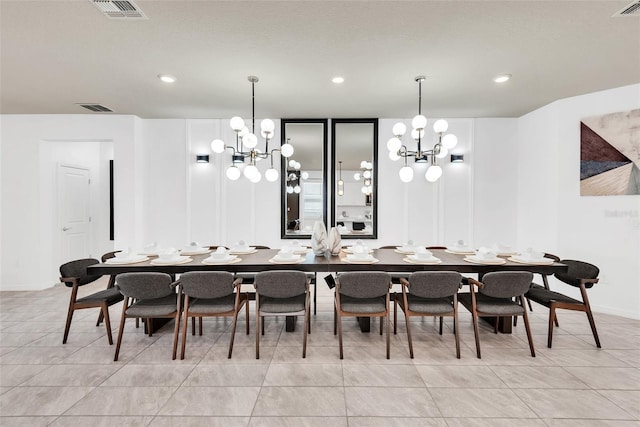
x,y
43,382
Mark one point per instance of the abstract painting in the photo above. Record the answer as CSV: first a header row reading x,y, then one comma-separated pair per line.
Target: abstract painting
x,y
610,154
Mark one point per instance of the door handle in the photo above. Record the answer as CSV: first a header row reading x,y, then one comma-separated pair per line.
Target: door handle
x,y
66,228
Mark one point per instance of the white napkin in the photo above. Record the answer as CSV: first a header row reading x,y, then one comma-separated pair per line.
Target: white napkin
x,y
486,253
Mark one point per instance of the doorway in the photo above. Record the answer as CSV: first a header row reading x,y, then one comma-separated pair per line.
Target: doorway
x,y
74,212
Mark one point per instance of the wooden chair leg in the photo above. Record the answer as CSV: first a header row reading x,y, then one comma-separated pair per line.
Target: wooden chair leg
x,y
233,332
335,321
176,332
307,325
476,333
257,329
456,333
246,303
184,334
381,319
495,325
339,321
193,326
107,323
406,321
121,328
200,325
552,316
395,316
527,327
100,318
67,325
387,318
592,323
440,325
262,325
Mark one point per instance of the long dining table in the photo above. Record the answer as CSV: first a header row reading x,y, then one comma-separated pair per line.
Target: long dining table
x,y
388,260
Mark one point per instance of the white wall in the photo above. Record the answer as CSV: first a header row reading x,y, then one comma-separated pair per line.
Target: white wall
x,y
28,247
518,185
552,212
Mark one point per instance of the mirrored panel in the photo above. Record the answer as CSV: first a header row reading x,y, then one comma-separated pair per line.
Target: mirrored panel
x,y
304,177
354,171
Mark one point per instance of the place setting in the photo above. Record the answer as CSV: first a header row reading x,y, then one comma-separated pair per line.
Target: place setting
x,y
221,256
295,247
504,250
286,256
170,257
242,248
360,255
358,247
126,257
408,249
485,256
422,256
532,257
154,249
460,248
194,248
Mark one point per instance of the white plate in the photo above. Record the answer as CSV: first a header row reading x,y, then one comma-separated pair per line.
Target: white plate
x,y
506,253
238,251
415,261
401,250
361,261
349,250
178,260
233,260
521,260
495,261
133,260
195,251
460,251
290,261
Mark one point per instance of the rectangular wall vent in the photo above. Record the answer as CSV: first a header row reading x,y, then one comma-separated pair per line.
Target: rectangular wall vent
x,y
119,9
632,9
96,108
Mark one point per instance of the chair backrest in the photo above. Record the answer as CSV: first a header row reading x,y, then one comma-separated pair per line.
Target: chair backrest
x,y
261,247
78,269
578,270
506,284
144,286
434,284
365,284
281,283
389,247
207,284
109,255
552,256
436,247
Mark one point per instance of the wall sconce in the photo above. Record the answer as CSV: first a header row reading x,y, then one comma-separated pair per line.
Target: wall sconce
x,y
457,158
202,158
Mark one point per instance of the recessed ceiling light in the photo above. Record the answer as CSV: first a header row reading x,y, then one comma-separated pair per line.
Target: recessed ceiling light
x,y
501,78
167,78
338,80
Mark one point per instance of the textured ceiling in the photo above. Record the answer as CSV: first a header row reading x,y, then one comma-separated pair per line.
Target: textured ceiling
x,y
55,54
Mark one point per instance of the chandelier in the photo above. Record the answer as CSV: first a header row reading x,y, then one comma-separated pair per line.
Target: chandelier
x,y
398,150
246,140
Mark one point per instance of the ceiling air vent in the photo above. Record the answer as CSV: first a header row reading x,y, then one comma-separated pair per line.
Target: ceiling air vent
x,y
97,108
119,9
632,9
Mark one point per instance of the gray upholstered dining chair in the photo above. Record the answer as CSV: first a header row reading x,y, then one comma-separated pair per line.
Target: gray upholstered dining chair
x,y
581,275
362,294
282,293
429,293
495,299
149,296
212,294
74,275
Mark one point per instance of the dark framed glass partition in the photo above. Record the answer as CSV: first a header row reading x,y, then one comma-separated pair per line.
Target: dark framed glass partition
x,y
304,177
354,174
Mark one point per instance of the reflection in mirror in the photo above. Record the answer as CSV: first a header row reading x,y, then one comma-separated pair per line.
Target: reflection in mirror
x,y
354,205
304,185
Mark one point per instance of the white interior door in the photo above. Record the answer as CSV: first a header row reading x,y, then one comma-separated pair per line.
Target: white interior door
x,y
73,213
